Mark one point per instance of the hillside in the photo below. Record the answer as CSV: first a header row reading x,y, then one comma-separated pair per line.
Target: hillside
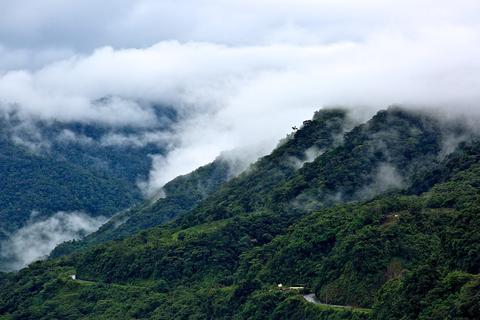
x,y
180,196
380,219
185,192
42,183
52,167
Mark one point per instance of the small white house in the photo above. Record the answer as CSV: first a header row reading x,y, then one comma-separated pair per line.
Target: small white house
x,y
73,276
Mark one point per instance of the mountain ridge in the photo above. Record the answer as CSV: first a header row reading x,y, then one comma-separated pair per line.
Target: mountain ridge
x,y
402,250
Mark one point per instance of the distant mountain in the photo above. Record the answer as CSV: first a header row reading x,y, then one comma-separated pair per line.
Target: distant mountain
x,y
52,167
375,221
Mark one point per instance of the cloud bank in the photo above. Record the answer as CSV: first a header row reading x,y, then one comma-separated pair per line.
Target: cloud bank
x,y
237,82
39,237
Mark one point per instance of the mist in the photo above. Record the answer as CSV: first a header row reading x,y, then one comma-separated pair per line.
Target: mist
x,y
276,67
385,178
38,238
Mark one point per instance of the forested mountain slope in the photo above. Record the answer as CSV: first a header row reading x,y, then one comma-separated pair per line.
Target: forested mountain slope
x,y
180,195
380,219
387,153
52,167
42,183
185,192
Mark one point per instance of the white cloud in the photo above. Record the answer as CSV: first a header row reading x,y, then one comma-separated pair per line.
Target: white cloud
x,y
308,156
136,140
68,136
244,80
39,237
385,178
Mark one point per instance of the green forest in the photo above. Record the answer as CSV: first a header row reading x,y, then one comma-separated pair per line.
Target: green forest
x,y
382,223
50,167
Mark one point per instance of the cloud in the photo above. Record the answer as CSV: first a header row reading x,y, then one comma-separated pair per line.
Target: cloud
x,y
68,136
39,237
242,82
137,139
309,155
385,178
84,25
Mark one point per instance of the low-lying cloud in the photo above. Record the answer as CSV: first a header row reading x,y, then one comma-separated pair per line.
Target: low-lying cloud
x,y
249,93
385,178
38,238
309,155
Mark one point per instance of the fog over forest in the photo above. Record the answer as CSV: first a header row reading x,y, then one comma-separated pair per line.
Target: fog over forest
x,y
239,75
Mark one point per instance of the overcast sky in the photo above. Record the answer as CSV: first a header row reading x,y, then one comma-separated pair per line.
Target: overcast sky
x,y
38,30
245,70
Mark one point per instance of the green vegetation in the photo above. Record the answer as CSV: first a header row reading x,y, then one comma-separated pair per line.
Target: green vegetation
x,y
379,222
51,167
42,183
181,195
251,189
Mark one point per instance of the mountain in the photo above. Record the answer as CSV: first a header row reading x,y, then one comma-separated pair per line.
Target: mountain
x,y
378,220
184,193
180,196
52,168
